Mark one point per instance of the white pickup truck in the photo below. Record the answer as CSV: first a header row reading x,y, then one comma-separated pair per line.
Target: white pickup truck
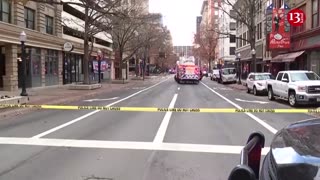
x,y
298,87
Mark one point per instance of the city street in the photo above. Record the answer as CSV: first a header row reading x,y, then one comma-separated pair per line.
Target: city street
x,y
84,144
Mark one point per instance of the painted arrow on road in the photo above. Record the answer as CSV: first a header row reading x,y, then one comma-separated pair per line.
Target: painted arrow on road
x,y
260,102
91,100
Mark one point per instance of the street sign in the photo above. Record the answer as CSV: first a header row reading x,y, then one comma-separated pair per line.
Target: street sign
x,y
68,46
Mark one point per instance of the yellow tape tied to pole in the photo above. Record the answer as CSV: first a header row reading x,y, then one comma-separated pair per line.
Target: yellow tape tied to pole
x,y
156,109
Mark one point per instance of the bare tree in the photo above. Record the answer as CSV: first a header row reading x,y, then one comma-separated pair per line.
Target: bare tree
x,y
244,12
132,33
207,45
163,44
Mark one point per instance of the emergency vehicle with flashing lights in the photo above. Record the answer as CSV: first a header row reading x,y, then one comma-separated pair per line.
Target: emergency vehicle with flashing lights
x,y
187,71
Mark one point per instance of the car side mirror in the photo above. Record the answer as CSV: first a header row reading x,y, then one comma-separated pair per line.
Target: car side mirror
x,y
251,79
250,159
285,80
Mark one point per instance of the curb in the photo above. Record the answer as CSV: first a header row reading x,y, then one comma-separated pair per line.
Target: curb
x,y
63,101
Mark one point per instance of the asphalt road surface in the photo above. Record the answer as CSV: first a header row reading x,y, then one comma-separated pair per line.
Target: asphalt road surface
x,y
83,144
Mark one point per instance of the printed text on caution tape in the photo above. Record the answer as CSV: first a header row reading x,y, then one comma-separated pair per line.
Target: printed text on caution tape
x,y
157,109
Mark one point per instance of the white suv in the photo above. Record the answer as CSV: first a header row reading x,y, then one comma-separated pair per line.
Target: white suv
x,y
257,82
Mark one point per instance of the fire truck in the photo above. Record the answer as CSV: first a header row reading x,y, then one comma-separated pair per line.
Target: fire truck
x,y
187,71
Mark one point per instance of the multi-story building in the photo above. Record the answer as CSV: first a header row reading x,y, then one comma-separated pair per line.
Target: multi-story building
x,y
198,29
304,52
46,57
42,26
226,46
208,28
183,50
243,47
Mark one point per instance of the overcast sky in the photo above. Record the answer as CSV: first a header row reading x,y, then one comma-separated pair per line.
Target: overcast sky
x,y
180,17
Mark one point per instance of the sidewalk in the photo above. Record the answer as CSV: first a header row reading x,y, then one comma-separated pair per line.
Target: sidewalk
x,y
61,95
237,86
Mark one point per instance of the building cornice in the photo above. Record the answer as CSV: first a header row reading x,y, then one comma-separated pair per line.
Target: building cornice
x,y
10,33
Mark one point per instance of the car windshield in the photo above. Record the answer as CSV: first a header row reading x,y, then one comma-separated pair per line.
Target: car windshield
x,y
263,77
304,76
228,71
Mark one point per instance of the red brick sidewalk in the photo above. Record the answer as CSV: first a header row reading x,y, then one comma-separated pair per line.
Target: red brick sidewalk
x,y
61,95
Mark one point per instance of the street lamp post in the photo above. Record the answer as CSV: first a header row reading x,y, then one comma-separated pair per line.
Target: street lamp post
x,y
239,67
253,53
99,65
23,38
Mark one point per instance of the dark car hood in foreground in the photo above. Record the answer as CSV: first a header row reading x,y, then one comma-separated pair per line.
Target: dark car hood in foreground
x,y
295,151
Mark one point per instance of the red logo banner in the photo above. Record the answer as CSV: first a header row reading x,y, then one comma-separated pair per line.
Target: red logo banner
x,y
279,38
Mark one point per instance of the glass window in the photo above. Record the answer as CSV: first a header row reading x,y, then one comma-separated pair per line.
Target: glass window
x,y
228,71
29,18
49,25
315,13
251,77
232,50
232,38
5,11
304,76
285,76
232,26
263,77
279,76
244,37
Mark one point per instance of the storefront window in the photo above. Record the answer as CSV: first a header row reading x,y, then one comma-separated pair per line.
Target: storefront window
x,y
35,66
51,67
73,65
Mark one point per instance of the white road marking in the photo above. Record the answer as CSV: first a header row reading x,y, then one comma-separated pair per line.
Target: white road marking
x,y
91,113
221,88
264,124
129,145
165,122
178,88
108,99
138,87
260,102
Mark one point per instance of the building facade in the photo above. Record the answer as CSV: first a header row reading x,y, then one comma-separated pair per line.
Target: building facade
x,y
261,50
183,50
226,46
47,61
42,25
304,52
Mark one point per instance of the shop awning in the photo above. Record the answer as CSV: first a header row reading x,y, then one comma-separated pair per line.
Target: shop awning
x,y
289,57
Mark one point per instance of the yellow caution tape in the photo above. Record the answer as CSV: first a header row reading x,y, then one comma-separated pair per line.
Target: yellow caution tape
x,y
156,109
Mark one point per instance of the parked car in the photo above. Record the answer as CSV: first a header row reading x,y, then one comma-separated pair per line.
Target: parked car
x,y
298,87
257,82
204,73
215,75
228,75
